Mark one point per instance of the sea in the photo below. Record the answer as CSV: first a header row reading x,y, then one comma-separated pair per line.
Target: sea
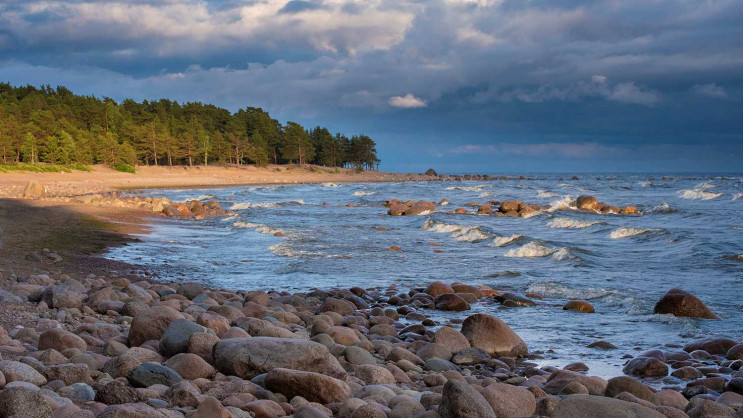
x,y
336,235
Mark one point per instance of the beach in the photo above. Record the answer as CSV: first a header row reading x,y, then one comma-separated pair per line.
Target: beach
x,y
87,332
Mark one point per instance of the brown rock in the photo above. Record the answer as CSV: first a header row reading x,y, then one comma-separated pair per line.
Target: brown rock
x,y
452,339
493,335
578,305
264,408
420,207
587,202
621,384
451,302
190,366
679,303
509,206
60,340
211,408
151,323
314,387
459,399
509,401
438,288
34,190
711,345
646,367
559,379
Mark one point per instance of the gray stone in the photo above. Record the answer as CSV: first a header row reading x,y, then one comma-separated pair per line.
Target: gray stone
x,y
460,400
19,401
149,374
176,336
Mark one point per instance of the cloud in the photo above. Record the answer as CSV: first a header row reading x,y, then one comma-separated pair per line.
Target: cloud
x,y
407,102
710,90
567,150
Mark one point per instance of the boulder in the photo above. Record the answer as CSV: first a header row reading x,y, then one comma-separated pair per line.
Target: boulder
x,y
69,373
451,302
509,401
131,410
587,202
735,353
151,323
578,305
339,306
190,290
62,297
190,366
34,190
211,408
15,371
561,378
493,335
149,374
574,406
646,367
452,339
116,392
374,375
711,345
420,208
248,357
175,338
680,303
314,387
627,384
60,340
23,402
438,288
459,399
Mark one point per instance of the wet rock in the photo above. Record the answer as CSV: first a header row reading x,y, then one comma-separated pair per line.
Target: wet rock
x,y
509,206
680,303
646,367
602,345
493,335
513,300
438,288
587,202
578,305
190,290
314,387
175,338
687,373
560,378
151,323
420,208
339,306
248,357
598,406
735,385
459,399
735,353
23,402
451,302
667,397
470,356
509,401
149,374
617,385
711,345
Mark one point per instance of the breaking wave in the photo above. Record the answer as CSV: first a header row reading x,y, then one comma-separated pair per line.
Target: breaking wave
x,y
260,228
503,241
465,233
698,194
545,194
567,223
468,188
624,232
738,196
556,290
286,249
247,205
364,193
561,204
664,208
536,249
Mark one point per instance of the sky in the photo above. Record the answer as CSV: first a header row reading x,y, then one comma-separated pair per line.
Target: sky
x,y
476,86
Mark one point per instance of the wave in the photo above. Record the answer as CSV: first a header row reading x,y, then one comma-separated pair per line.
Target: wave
x,y
556,290
465,233
205,197
544,194
331,185
260,228
738,196
286,249
247,205
663,208
503,241
561,204
536,249
567,223
364,193
624,232
645,183
705,186
486,194
699,194
468,188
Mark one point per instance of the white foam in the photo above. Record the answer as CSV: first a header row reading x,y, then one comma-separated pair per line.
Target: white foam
x,y
663,208
247,205
486,194
468,188
536,249
544,194
466,233
331,185
624,232
556,290
705,186
561,204
260,228
503,241
205,197
645,183
364,193
699,194
567,223
738,196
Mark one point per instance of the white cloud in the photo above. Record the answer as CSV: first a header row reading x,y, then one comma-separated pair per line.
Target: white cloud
x,y
630,93
710,90
407,102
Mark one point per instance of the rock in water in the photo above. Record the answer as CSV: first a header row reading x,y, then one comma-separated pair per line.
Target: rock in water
x,y
493,335
314,387
459,399
587,202
679,303
34,190
431,172
249,357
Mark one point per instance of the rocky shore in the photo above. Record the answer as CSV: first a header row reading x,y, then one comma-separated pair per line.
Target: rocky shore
x,y
127,347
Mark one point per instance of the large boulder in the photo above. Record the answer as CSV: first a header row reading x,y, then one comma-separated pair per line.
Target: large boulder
x,y
438,288
60,340
680,303
23,402
587,202
599,406
451,302
151,323
459,399
249,357
62,297
561,378
34,190
176,336
420,207
148,374
15,371
646,367
493,335
509,401
314,387
711,345
627,384
452,339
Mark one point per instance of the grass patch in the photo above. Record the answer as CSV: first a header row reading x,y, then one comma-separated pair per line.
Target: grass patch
x,y
125,168
43,168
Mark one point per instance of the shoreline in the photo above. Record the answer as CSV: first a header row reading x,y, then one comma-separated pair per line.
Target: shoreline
x,y
369,346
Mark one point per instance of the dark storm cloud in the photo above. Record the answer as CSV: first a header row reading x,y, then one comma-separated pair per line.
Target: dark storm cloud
x,y
607,77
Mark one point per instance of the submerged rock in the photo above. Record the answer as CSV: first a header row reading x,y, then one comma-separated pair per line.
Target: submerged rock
x,y
680,303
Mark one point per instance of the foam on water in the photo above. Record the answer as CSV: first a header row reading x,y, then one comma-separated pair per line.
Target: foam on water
x,y
536,249
331,185
645,183
364,193
248,205
486,194
286,249
477,188
561,204
738,196
567,223
503,241
663,208
205,197
557,290
624,232
544,194
464,233
260,228
698,194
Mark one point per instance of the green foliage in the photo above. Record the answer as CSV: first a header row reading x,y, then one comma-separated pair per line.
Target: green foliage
x,y
55,126
81,167
125,168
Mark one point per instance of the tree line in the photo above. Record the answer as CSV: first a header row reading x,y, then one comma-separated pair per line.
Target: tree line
x,y
53,125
